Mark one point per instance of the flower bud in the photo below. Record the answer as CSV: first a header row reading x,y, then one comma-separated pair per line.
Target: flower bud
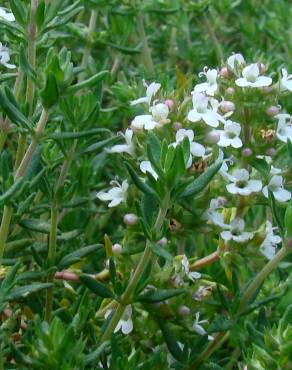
x,y
221,201
230,90
271,152
169,103
272,110
227,106
117,248
267,89
177,125
130,219
162,242
262,67
224,72
183,310
213,137
246,152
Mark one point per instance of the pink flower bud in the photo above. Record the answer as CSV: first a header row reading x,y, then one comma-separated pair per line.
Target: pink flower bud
x,y
183,310
247,152
272,110
213,137
162,242
224,72
271,152
267,89
222,201
227,106
117,248
130,219
169,103
230,90
177,125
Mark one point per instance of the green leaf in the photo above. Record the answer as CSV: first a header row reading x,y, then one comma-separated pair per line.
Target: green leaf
x,y
154,152
9,106
77,135
10,277
260,165
99,145
288,220
87,83
220,323
286,319
161,252
96,287
95,355
201,182
159,295
40,14
141,185
289,147
24,64
277,212
19,11
24,291
171,342
8,195
50,93
76,256
36,225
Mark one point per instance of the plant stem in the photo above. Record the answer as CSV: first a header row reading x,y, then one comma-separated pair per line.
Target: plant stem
x,y
30,150
4,229
205,261
134,280
146,52
31,53
86,53
20,150
51,259
268,268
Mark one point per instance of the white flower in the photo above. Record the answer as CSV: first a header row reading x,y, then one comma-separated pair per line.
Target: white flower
x,y
125,148
158,118
251,77
276,187
9,17
236,232
125,324
116,195
268,246
145,166
284,127
213,215
210,87
150,92
192,275
199,328
196,149
4,57
159,113
234,61
286,81
230,135
241,184
205,109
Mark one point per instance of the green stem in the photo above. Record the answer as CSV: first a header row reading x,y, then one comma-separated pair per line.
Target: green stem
x,y
86,53
268,268
31,149
51,260
146,52
134,280
20,150
3,137
4,229
31,53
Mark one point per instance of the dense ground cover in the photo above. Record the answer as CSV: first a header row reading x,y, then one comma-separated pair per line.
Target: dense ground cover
x,y
145,184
